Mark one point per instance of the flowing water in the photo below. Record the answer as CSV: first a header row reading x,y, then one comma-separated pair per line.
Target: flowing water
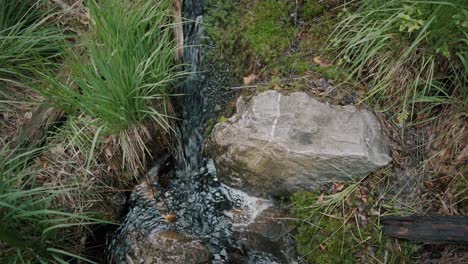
x,y
193,192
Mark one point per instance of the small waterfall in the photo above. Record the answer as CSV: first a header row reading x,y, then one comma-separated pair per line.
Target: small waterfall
x,y
200,202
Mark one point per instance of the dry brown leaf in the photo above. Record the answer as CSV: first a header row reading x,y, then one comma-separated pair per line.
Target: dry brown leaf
x,y
323,248
6,115
170,218
374,212
108,151
250,79
322,62
28,115
337,187
320,199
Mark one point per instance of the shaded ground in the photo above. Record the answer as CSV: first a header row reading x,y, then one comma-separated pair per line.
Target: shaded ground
x,y
277,45
280,45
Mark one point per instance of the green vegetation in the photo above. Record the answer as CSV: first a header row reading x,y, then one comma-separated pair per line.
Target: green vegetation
x,y
123,78
411,56
311,9
115,81
269,31
32,228
333,72
247,32
343,227
414,54
113,85
26,40
224,26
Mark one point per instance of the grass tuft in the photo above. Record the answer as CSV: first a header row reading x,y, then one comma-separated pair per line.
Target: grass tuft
x,y
26,40
342,225
122,74
32,229
412,54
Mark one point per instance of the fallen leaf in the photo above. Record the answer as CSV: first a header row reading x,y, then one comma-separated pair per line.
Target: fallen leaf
x,y
362,219
320,199
322,62
337,187
374,212
363,190
170,218
108,151
28,115
250,79
322,248
113,166
429,185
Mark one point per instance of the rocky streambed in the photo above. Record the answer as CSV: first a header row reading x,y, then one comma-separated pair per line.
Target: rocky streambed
x,y
221,208
199,218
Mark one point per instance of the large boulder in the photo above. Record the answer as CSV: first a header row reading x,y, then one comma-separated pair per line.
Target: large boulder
x,y
277,144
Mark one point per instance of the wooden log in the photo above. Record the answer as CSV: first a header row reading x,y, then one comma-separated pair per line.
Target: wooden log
x,y
33,132
178,30
438,229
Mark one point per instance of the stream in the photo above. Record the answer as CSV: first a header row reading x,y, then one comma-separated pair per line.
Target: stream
x,y
187,186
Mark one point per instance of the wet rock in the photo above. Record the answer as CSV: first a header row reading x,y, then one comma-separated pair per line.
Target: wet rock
x,y
267,236
147,234
261,230
277,144
168,247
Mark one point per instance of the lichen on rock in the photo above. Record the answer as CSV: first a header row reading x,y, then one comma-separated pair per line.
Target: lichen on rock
x,y
277,144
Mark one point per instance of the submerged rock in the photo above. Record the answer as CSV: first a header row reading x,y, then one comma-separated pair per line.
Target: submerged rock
x,y
199,220
277,144
169,247
148,236
260,230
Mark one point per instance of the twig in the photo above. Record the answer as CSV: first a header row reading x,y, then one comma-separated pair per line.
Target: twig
x,y
242,87
62,4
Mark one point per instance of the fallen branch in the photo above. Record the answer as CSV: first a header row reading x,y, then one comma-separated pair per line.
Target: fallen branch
x,y
437,229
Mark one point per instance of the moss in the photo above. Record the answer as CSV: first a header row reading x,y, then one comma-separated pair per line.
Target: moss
x,y
311,9
222,119
212,123
246,32
269,30
209,127
333,72
225,28
322,242
332,235
296,63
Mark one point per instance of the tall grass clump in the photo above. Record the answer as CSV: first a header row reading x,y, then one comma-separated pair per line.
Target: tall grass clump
x,y
412,54
27,40
32,229
122,74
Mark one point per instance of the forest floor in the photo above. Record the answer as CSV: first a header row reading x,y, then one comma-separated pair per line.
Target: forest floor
x,y
270,44
287,46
